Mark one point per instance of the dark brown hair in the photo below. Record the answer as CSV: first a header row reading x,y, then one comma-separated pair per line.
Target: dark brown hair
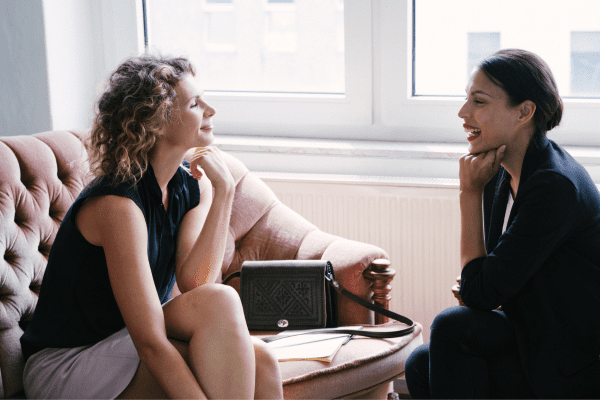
x,y
525,76
137,103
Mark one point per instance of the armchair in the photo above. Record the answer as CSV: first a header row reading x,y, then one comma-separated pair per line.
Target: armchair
x,y
41,175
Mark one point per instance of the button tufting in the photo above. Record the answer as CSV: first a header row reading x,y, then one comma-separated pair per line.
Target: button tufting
x,y
27,182
44,249
62,175
35,287
20,219
5,296
9,256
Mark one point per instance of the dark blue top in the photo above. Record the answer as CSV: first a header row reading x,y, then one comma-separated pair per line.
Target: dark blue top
x,y
545,268
76,306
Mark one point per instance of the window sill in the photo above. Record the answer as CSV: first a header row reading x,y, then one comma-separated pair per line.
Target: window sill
x,y
364,158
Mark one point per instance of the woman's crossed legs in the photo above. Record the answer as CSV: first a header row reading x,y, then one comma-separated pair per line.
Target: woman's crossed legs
x,y
207,326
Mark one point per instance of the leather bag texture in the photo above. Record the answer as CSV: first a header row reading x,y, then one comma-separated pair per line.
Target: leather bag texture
x,y
287,295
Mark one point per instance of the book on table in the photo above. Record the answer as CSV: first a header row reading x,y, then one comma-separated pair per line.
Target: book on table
x,y
312,346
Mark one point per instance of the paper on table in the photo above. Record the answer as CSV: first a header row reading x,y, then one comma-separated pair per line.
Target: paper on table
x,y
318,346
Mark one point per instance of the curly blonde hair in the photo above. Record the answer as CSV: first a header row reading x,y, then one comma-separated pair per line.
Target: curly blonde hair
x,y
130,115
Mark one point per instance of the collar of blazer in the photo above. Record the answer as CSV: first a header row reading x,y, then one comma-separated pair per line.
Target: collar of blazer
x,y
496,191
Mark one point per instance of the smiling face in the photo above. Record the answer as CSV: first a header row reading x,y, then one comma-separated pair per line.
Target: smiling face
x,y
191,125
489,119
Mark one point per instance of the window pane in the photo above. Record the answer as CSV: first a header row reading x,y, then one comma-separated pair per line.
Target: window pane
x,y
480,45
254,45
452,36
585,64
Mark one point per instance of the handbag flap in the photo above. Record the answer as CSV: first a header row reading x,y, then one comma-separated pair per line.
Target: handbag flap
x,y
281,295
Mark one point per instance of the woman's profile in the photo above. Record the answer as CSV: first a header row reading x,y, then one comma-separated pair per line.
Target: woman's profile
x,y
105,326
530,251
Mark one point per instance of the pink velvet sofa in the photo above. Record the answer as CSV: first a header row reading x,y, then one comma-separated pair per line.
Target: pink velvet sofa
x,y
41,175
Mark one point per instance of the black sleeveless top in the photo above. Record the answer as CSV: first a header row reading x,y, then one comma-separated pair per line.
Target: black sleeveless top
x,y
76,306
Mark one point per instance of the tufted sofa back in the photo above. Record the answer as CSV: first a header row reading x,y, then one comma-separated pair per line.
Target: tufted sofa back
x,y
40,177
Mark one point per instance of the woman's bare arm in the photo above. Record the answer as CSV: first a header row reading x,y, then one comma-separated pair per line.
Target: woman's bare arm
x,y
203,232
475,172
472,244
118,225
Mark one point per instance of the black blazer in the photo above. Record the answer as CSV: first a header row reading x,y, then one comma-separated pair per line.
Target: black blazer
x,y
545,268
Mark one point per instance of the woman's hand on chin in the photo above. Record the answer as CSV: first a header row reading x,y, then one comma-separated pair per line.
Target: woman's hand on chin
x,y
476,170
208,160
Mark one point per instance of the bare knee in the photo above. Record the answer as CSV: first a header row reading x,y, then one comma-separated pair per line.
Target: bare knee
x,y
208,306
218,304
213,297
265,356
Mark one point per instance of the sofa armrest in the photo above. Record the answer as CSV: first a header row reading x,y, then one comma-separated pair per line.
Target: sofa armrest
x,y
380,275
357,269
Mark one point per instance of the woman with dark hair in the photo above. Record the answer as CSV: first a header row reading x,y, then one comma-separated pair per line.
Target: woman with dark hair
x,y
530,251
104,325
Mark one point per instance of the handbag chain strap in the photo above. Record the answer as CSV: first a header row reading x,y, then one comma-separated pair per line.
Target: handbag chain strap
x,y
379,335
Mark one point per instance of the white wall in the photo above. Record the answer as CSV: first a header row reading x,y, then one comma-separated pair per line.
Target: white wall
x,y
56,55
72,70
24,101
84,44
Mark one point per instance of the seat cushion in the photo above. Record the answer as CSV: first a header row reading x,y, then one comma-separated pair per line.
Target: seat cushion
x,y
360,364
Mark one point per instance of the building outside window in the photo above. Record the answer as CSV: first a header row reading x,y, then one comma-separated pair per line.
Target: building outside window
x,y
555,30
254,45
481,44
585,64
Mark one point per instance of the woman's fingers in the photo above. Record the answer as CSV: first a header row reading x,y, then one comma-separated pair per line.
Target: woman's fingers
x,y
194,166
498,159
492,160
476,170
199,152
208,161
487,166
196,172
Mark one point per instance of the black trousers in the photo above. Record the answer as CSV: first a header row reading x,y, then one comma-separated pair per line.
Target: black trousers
x,y
471,354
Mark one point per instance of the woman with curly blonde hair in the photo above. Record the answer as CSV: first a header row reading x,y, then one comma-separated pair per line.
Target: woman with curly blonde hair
x,y
105,326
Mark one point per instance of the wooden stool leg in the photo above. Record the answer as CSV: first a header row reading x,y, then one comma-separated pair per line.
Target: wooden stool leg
x,y
380,274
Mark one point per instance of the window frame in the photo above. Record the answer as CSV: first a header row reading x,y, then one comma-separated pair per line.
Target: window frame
x,y
434,118
379,104
301,115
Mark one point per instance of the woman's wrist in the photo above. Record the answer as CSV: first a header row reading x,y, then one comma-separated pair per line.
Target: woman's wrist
x,y
470,193
225,189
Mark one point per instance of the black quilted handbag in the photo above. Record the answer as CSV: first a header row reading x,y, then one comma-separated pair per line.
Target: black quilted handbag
x,y
299,295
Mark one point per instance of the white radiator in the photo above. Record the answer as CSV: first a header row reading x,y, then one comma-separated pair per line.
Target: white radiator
x,y
416,221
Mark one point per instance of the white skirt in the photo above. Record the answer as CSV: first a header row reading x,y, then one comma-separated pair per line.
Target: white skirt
x,y
100,371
